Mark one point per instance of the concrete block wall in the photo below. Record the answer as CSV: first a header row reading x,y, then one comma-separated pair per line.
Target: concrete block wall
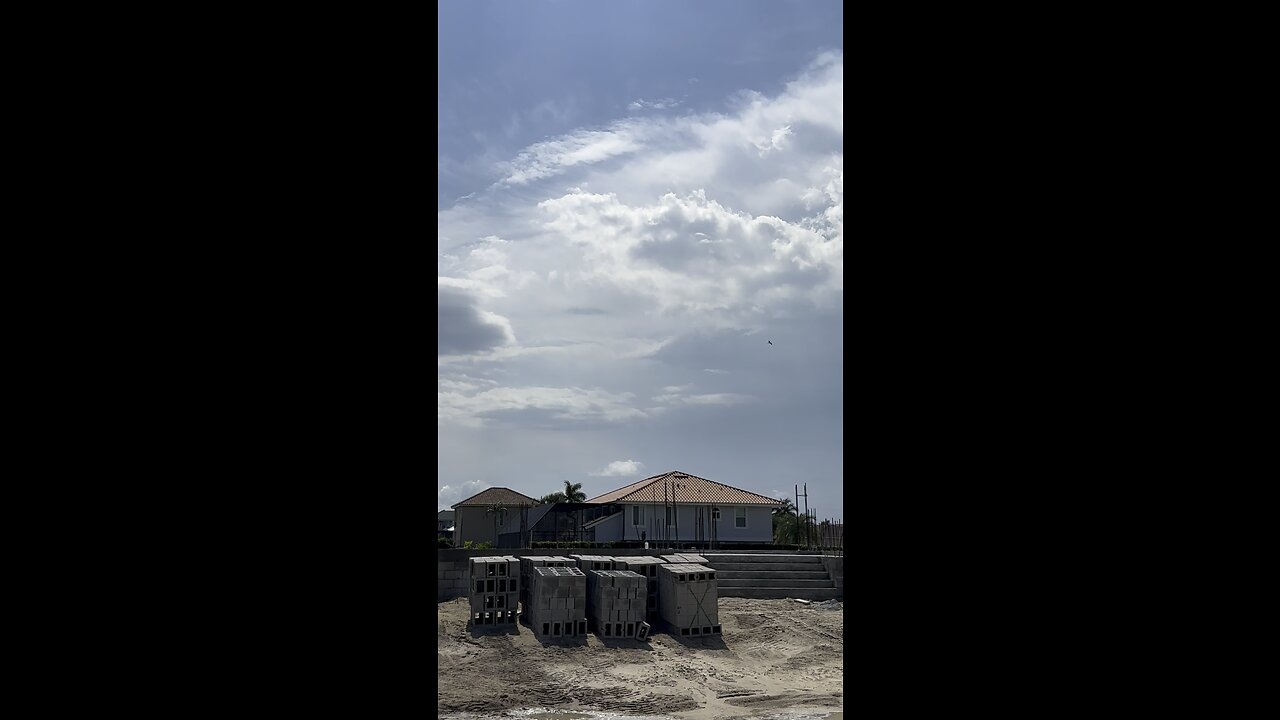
x,y
594,562
452,577
557,602
835,567
684,558
617,603
688,599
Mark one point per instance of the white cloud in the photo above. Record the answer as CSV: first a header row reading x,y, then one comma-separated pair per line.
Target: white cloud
x,y
571,403
583,147
663,104
719,399
775,141
678,395
620,468
654,250
448,495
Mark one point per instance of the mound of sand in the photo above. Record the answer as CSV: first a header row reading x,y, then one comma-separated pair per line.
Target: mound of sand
x,y
772,654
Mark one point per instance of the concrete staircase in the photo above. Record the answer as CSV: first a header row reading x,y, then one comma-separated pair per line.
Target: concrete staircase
x,y
771,576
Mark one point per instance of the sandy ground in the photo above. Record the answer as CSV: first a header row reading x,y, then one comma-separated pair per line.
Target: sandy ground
x,y
771,655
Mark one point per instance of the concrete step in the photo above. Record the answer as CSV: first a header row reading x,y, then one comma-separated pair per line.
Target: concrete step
x,y
766,567
770,593
723,575
769,582
761,558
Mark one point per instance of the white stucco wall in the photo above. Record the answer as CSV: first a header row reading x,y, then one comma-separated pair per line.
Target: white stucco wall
x,y
759,524
610,530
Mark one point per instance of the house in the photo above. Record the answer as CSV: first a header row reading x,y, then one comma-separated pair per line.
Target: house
x,y
444,523
679,507
473,522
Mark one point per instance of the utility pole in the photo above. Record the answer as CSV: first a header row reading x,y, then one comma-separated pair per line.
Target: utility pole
x,y
805,495
807,534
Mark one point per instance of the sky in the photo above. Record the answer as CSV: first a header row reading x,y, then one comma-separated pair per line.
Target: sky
x,y
634,200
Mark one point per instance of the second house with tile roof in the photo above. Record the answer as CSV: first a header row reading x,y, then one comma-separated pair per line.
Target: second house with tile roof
x,y
474,522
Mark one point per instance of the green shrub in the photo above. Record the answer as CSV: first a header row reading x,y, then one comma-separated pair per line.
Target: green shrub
x,y
444,542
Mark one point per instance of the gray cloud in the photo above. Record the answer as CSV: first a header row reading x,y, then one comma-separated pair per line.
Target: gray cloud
x,y
462,327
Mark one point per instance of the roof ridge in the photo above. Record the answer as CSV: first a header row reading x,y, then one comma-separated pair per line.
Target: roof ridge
x,y
634,486
623,493
489,489
717,482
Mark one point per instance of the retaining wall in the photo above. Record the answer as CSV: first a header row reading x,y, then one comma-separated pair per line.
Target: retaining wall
x,y
452,564
835,566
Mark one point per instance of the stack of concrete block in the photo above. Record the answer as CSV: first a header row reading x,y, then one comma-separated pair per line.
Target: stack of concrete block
x,y
684,558
557,602
617,602
594,562
494,589
529,562
688,599
646,566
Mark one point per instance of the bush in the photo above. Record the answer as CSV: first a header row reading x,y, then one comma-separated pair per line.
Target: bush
x,y
444,542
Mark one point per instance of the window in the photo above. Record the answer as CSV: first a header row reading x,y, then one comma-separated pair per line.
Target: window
x,y
637,515
740,517
670,513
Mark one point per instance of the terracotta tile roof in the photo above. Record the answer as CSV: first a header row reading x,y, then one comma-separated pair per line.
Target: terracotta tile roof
x,y
506,496
687,490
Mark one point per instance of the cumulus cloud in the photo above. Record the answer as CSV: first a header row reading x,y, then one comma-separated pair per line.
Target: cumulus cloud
x,y
620,468
692,254
448,495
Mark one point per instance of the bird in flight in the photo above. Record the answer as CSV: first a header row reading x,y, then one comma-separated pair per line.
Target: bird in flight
x,y
770,342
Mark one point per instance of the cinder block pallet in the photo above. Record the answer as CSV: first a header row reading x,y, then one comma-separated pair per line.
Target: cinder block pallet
x,y
557,604
688,598
617,602
493,587
529,562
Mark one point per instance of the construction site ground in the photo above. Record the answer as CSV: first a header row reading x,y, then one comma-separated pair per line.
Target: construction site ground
x,y
771,655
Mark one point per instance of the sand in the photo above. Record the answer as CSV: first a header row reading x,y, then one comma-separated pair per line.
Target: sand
x,y
772,655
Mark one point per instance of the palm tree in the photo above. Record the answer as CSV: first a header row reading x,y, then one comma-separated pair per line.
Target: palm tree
x,y
786,528
498,512
780,515
551,499
573,492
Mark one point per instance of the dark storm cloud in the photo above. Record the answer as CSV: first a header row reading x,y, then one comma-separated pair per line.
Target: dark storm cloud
x,y
461,328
